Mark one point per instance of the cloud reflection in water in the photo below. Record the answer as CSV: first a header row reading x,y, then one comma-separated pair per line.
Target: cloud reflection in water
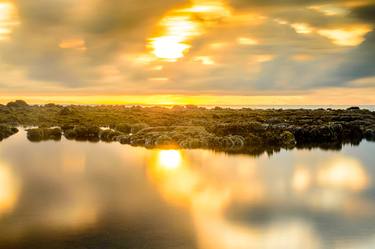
x,y
291,200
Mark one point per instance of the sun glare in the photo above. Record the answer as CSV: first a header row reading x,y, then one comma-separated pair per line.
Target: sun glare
x,y
177,32
179,27
169,159
168,47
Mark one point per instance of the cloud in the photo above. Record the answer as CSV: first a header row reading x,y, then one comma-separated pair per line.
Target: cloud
x,y
102,46
366,13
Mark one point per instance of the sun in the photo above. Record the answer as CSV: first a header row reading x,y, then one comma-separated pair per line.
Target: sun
x,y
176,31
168,47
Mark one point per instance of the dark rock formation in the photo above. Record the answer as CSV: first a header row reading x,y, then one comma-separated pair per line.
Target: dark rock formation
x,y
83,133
43,134
17,104
370,134
232,130
6,131
109,135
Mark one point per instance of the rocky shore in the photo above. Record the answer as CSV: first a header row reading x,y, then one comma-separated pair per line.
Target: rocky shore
x,y
232,130
7,131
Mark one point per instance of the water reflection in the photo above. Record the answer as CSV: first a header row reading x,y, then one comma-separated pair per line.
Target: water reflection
x,y
170,159
9,189
114,196
343,173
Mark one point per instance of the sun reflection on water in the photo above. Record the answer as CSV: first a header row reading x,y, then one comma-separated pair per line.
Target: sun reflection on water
x,y
208,190
9,189
170,159
343,173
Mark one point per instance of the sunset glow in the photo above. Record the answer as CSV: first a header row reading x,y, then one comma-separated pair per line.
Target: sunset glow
x,y
187,53
181,26
170,159
8,19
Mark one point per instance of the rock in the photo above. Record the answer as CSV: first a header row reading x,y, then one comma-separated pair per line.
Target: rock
x,y
227,142
288,140
124,128
353,108
237,129
91,133
6,131
191,143
66,111
123,139
41,134
17,104
318,133
109,135
137,127
164,140
369,134
253,140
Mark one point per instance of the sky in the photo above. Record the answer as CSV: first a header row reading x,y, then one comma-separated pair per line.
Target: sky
x,y
188,52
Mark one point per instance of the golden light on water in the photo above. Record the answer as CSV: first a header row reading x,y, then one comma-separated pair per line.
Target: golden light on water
x,y
8,19
170,172
208,198
179,27
170,159
9,190
301,179
343,173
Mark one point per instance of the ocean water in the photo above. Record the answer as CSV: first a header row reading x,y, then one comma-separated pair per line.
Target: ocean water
x,y
75,195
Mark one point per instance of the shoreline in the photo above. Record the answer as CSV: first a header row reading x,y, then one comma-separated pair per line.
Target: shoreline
x,y
248,131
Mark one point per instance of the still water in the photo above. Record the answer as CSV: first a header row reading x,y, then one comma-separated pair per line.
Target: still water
x,y
106,196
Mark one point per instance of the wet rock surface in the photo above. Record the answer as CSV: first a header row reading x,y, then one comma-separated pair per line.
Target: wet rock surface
x,y
244,130
43,134
7,131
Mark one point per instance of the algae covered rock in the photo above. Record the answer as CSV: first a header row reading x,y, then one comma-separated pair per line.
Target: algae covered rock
x,y
7,131
164,140
242,128
109,135
124,128
287,139
91,133
137,127
66,111
370,134
41,134
18,104
123,139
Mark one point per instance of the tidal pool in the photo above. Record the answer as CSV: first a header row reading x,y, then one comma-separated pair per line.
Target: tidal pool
x,y
76,195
